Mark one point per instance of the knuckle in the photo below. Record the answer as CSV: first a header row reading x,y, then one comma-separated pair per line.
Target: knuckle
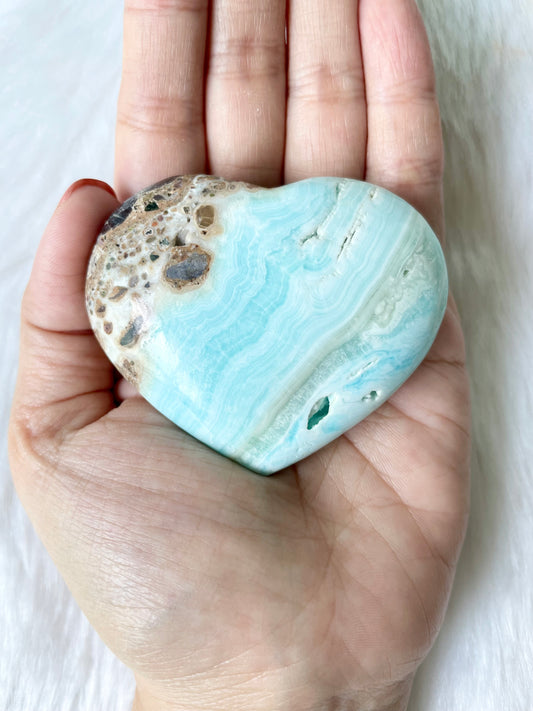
x,y
262,174
323,82
150,113
405,91
425,171
409,185
159,7
409,148
247,57
32,449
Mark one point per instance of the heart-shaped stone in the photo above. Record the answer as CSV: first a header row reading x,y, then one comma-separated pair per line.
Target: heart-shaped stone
x,y
266,322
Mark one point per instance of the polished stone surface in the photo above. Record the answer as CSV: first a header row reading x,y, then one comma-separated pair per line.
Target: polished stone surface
x,y
266,322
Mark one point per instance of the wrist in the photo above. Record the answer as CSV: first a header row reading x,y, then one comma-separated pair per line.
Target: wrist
x,y
392,698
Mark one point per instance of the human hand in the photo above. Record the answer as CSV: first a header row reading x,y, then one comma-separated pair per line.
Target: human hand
x,y
322,587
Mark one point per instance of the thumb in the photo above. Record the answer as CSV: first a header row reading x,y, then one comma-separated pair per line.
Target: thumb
x,y
60,360
55,295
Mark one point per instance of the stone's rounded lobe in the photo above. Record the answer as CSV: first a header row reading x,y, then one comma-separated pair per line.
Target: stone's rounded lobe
x,y
266,322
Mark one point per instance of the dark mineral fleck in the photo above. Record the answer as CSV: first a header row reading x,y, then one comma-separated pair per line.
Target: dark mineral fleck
x,y
180,239
117,218
131,335
191,268
189,265
129,370
118,292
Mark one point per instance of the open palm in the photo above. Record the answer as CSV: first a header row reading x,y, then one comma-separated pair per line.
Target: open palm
x,y
323,586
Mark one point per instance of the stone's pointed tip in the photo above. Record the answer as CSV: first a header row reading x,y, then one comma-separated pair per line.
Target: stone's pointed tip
x,y
266,322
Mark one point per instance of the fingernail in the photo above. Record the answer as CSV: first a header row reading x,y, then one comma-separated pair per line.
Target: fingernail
x,y
82,183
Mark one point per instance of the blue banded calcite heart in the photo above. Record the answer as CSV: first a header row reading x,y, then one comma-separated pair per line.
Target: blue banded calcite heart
x,y
266,322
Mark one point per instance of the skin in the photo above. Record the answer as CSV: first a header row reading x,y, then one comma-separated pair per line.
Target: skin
x,y
324,586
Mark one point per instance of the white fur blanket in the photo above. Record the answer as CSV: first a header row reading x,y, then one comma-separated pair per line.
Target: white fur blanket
x,y
60,64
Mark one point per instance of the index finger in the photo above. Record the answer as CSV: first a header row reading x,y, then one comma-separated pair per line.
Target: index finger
x,y
160,127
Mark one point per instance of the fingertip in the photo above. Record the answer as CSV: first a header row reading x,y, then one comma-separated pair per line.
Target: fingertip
x,y
396,48
125,390
84,182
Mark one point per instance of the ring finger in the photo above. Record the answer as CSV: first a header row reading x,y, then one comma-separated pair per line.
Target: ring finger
x,y
326,112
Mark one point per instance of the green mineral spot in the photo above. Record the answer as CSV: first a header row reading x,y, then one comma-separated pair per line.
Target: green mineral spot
x,y
319,410
372,396
153,257
151,206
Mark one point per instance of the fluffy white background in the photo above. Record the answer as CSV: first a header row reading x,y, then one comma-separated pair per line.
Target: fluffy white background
x,y
59,64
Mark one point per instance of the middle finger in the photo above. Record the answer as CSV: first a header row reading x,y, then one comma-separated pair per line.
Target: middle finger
x,y
245,93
